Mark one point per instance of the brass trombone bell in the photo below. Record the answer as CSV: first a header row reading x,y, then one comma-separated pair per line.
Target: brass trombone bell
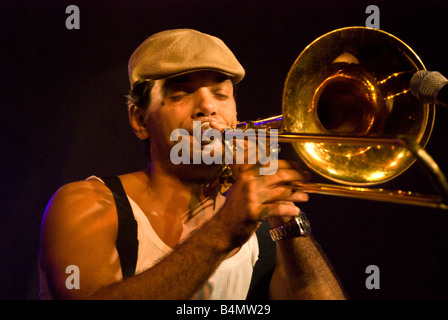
x,y
348,111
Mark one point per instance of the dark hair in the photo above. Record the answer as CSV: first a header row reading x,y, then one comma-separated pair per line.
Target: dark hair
x,y
140,96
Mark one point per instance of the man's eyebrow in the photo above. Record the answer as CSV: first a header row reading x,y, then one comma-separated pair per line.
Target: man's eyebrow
x,y
173,83
177,80
220,77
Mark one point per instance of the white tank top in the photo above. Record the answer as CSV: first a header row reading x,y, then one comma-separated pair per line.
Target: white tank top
x,y
230,281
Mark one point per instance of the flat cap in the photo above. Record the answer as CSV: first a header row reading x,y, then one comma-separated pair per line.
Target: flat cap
x,y
179,51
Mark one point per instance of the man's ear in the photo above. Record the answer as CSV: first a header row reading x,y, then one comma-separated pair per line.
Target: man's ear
x,y
137,119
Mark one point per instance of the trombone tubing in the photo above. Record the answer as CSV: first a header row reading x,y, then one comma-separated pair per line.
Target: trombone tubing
x,y
432,169
392,196
292,137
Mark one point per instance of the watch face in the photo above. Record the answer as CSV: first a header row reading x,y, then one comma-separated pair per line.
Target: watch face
x,y
304,223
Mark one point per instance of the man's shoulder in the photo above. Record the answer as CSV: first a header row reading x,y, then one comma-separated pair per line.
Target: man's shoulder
x,y
83,190
81,198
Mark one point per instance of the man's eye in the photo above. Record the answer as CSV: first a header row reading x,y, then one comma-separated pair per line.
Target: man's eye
x,y
221,95
178,96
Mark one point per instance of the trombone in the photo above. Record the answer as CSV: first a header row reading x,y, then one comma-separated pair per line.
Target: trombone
x,y
349,114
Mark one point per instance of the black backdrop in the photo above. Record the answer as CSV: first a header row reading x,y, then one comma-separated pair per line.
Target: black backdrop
x,y
63,118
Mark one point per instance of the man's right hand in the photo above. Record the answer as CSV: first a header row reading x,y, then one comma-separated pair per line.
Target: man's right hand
x,y
254,197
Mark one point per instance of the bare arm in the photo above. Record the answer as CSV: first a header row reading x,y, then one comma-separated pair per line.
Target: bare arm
x,y
80,228
303,272
180,274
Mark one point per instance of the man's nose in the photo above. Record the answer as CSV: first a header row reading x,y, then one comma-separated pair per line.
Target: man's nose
x,y
204,104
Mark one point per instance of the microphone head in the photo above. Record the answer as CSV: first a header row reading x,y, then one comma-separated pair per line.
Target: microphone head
x,y
425,85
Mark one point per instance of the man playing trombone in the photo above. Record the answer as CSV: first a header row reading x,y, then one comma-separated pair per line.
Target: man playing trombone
x,y
164,232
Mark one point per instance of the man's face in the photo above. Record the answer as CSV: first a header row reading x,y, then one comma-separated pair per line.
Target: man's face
x,y
176,102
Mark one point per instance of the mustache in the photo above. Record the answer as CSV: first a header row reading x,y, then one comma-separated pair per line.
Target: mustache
x,y
205,125
198,129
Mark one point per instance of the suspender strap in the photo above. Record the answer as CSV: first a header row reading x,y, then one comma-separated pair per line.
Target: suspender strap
x,y
264,267
127,241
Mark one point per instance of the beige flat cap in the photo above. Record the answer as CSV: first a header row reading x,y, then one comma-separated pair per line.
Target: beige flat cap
x,y
179,51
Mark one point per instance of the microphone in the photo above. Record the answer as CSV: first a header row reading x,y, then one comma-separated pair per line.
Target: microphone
x,y
430,87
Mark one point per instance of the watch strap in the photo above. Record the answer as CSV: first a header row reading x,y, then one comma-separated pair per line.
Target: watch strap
x,y
298,226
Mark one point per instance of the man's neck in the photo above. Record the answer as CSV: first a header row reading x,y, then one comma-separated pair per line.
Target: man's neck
x,y
188,194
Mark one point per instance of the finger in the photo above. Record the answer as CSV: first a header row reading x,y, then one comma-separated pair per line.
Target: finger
x,y
285,164
282,209
284,193
238,169
288,165
285,177
281,165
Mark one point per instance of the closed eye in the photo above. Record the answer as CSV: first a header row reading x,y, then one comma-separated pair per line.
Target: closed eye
x,y
177,96
221,96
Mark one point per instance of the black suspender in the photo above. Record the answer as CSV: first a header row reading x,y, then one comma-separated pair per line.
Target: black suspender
x,y
127,241
264,267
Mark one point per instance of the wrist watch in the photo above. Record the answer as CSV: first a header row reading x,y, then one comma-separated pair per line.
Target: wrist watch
x,y
299,226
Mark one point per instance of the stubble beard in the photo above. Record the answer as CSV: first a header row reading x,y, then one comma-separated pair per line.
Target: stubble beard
x,y
201,174
188,173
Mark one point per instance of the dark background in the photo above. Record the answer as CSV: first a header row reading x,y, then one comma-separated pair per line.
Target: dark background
x,y
63,118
